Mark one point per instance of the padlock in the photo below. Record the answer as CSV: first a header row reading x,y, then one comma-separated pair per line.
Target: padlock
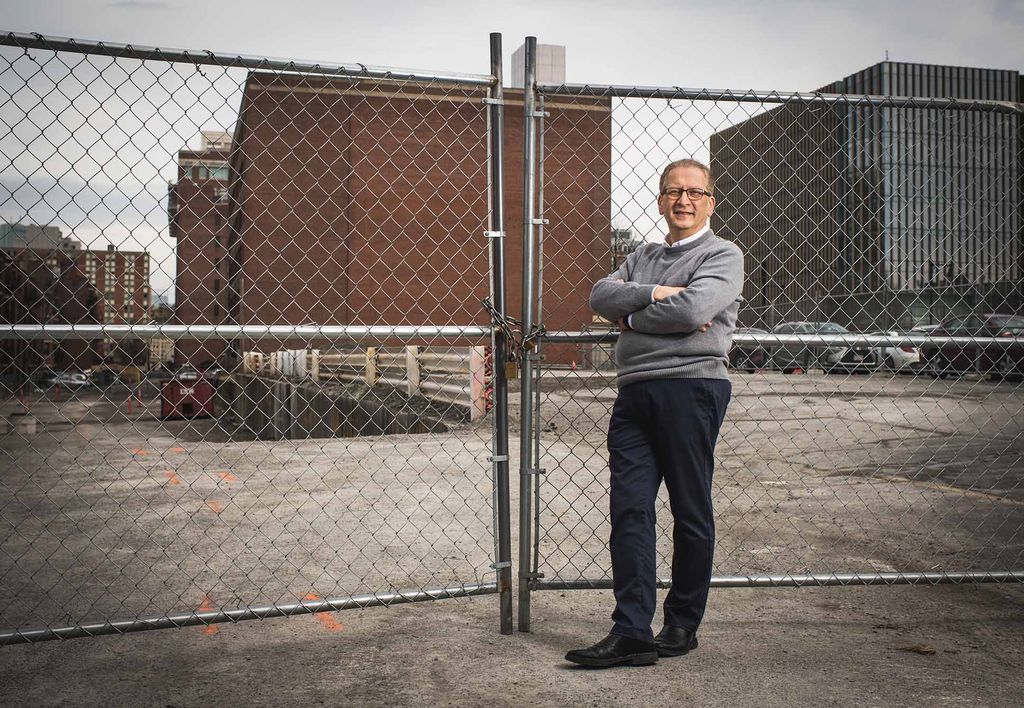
x,y
511,370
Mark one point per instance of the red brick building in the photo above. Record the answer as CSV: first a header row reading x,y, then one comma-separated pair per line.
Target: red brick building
x,y
365,203
45,287
197,206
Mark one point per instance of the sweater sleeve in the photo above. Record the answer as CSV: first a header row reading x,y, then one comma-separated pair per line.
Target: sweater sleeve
x,y
717,283
614,300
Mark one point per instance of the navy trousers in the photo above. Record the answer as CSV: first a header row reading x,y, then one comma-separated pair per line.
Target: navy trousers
x,y
664,429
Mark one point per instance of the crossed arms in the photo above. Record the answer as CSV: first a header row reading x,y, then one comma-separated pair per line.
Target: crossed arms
x,y
664,309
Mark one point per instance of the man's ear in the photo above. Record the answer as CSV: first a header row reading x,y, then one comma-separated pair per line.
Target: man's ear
x,y
711,205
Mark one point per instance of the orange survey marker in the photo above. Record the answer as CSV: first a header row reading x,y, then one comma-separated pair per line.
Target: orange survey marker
x,y
228,477
171,477
324,618
207,606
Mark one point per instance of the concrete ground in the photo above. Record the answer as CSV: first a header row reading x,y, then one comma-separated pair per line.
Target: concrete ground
x,y
895,646
108,513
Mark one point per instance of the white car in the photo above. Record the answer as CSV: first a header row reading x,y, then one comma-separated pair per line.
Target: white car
x,y
897,358
69,380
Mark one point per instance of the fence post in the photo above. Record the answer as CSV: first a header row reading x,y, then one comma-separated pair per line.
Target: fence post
x,y
526,463
500,461
314,364
412,370
370,371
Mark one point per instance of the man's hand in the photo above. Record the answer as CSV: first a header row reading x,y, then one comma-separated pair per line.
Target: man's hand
x,y
705,327
663,291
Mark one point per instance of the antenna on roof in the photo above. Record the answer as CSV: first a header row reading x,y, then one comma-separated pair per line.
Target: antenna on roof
x,y
887,55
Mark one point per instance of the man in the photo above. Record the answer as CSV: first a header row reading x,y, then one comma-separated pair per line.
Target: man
x,y
676,303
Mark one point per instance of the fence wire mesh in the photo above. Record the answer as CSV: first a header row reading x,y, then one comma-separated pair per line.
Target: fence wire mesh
x,y
189,475
308,424
875,428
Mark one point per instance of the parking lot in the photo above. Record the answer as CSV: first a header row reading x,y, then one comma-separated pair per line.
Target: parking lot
x,y
114,514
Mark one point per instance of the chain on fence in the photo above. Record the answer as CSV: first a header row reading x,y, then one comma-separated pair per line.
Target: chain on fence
x,y
273,389
875,431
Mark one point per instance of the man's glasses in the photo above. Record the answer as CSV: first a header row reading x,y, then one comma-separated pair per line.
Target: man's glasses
x,y
693,193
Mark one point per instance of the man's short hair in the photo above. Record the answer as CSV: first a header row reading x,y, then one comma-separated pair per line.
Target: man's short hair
x,y
687,162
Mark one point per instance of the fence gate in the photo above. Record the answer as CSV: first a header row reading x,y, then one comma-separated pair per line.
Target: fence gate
x,y
881,455
312,423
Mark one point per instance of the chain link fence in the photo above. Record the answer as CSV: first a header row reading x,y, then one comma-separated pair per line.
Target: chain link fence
x,y
318,419
874,435
217,456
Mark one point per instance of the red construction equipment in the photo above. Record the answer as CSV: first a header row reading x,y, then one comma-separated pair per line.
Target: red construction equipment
x,y
190,398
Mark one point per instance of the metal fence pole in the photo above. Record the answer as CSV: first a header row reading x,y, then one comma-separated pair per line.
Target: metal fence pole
x,y
526,466
501,466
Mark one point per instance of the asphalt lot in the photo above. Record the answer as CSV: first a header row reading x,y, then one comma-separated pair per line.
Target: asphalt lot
x,y
110,514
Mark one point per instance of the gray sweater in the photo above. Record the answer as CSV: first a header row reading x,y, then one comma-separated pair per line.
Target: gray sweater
x,y
663,340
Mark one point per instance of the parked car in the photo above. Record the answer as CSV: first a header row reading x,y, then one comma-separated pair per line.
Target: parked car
x,y
904,357
748,357
68,379
983,355
187,373
831,359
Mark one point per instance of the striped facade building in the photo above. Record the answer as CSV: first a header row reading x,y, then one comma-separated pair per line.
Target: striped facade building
x,y
879,216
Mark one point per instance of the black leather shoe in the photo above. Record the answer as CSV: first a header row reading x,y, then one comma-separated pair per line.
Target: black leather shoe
x,y
675,641
615,650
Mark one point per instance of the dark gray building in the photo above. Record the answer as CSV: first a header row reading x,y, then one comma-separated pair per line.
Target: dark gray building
x,y
878,216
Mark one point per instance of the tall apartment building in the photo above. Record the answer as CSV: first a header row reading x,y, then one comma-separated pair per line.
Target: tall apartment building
x,y
365,203
198,207
122,280
878,216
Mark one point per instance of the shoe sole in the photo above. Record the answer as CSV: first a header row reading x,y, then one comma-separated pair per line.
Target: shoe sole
x,y
645,659
663,652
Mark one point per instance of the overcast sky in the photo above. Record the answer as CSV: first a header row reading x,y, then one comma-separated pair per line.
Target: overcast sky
x,y
785,45
782,45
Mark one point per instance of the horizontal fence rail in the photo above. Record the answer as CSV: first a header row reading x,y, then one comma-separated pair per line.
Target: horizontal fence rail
x,y
842,340
310,333
214,617
208,58
775,97
800,581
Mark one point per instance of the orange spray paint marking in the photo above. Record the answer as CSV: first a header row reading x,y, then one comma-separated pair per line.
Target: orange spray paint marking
x,y
228,477
324,618
140,452
207,606
215,507
177,449
171,477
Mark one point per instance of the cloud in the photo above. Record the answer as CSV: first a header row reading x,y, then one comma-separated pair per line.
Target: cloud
x,y
140,4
